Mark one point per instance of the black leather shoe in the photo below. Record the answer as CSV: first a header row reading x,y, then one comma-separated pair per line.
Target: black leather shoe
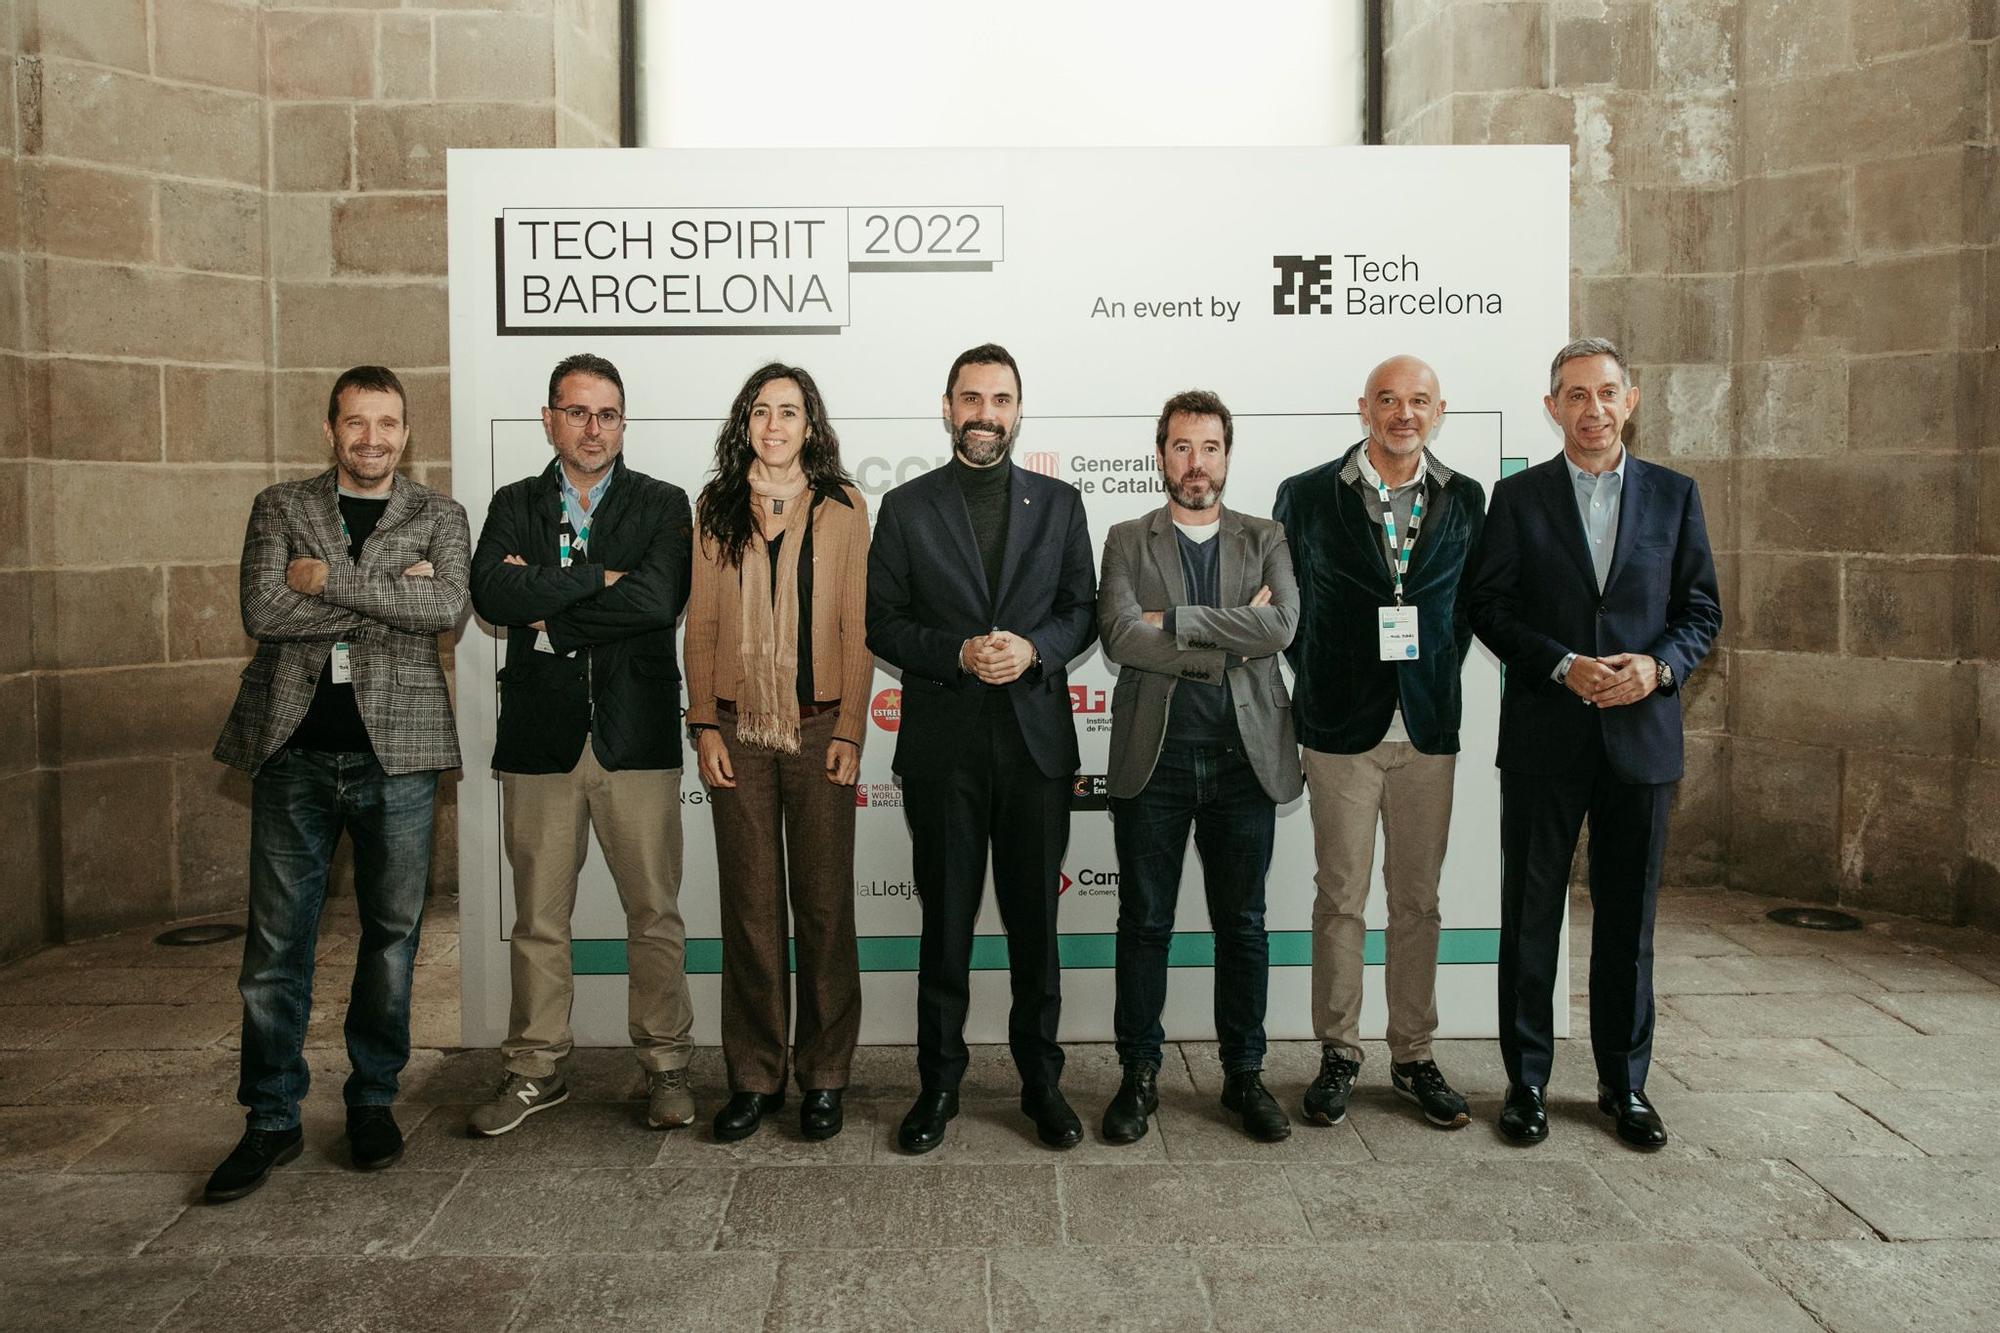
x,y
1137,1098
923,1126
820,1116
743,1112
251,1160
373,1138
1055,1124
1263,1119
1638,1123
1523,1117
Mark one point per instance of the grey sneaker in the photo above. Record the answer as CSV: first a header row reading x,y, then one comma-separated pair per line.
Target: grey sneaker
x,y
518,1098
668,1103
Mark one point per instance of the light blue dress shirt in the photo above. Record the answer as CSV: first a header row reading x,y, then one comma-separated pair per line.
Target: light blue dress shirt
x,y
1598,497
574,509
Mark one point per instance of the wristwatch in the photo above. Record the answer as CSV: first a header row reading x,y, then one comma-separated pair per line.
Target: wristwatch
x,y
1666,676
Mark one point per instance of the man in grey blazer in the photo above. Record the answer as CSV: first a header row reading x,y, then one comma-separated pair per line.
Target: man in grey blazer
x,y
1195,604
343,721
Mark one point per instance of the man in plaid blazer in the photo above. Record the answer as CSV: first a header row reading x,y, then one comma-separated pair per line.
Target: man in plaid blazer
x,y
343,721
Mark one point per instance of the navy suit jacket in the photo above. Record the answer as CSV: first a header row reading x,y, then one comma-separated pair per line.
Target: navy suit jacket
x,y
927,595
1533,599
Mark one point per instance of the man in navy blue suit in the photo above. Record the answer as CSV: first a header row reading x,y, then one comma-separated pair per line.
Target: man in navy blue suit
x,y
981,588
1595,587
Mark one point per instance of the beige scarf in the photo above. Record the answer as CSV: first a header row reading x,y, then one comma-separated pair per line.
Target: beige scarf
x,y
767,704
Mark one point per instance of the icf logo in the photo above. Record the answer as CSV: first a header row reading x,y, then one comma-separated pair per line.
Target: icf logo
x,y
1083,699
887,709
1043,461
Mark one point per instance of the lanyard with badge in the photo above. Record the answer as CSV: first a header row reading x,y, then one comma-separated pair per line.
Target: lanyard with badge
x,y
1397,625
572,540
341,666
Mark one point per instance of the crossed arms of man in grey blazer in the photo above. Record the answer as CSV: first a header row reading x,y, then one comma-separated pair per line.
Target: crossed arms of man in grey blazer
x,y
288,597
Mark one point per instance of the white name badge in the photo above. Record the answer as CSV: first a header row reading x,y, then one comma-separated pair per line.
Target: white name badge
x,y
1398,628
343,666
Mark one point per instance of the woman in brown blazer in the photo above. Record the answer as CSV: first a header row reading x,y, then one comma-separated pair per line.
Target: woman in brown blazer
x,y
778,673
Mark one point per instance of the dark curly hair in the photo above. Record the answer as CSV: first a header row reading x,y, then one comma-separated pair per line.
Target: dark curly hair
x,y
722,512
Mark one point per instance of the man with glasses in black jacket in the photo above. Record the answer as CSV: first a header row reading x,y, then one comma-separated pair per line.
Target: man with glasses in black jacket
x,y
586,565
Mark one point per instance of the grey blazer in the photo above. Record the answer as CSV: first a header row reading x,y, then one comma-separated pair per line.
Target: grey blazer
x,y
391,622
1142,572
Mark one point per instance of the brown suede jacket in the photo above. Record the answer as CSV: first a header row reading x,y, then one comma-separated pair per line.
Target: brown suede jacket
x,y
843,669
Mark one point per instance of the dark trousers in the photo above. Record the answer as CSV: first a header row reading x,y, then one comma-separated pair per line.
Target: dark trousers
x,y
1539,820
993,796
1214,791
300,800
784,834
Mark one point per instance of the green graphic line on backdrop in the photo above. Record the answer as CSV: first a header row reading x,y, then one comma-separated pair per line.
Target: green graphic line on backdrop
x,y
898,953
1509,466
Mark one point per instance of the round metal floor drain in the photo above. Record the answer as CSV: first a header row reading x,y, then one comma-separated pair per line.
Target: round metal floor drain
x,y
213,933
1814,918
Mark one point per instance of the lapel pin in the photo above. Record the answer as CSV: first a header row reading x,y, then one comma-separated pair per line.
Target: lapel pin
x,y
1026,501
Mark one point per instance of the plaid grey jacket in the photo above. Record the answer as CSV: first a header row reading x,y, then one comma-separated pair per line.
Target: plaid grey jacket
x,y
390,622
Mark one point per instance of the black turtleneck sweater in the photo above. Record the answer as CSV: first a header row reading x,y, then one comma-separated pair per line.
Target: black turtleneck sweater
x,y
985,491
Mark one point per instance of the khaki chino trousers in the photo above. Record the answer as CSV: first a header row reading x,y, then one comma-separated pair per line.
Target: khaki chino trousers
x,y
1410,793
549,817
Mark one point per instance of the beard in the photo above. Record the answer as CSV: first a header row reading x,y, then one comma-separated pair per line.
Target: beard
x,y
983,453
1185,495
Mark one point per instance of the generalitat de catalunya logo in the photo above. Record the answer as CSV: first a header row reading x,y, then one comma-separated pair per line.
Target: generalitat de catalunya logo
x,y
887,709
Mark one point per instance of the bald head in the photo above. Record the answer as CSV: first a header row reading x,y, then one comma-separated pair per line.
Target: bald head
x,y
1402,408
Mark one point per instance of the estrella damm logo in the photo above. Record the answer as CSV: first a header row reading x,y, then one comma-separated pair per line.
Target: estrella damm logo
x,y
887,709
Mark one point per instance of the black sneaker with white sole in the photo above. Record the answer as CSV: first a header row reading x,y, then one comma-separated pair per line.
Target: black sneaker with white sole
x,y
1326,1099
1420,1081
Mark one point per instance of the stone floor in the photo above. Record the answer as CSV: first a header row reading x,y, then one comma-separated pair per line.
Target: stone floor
x,y
1831,1169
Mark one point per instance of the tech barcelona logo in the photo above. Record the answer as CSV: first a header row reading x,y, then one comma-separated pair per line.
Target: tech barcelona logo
x,y
1304,286
887,709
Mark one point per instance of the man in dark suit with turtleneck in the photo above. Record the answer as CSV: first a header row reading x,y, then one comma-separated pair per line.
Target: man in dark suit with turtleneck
x,y
981,589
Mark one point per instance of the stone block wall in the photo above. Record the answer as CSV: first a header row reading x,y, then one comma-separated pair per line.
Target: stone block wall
x,y
208,209
1785,210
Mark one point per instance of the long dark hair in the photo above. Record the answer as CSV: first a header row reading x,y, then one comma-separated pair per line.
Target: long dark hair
x,y
723,510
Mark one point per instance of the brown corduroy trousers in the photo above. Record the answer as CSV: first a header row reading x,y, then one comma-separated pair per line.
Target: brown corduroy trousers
x,y
784,838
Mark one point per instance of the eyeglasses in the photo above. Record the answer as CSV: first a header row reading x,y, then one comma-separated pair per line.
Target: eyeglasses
x,y
609,418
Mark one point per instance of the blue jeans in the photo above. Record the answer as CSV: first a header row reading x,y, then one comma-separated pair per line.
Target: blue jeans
x,y
1214,790
300,801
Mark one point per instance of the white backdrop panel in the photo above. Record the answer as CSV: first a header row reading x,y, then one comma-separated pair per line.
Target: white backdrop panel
x,y
1089,265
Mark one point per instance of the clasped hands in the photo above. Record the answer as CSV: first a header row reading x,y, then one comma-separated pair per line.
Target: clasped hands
x,y
998,658
1158,619
1608,682
307,576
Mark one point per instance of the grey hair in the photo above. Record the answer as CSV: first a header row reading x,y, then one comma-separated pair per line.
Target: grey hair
x,y
1583,347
